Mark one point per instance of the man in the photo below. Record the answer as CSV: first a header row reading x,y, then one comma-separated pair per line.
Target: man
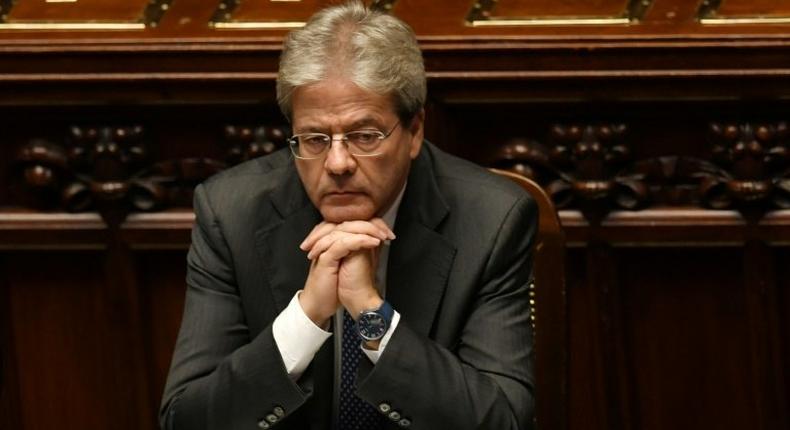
x,y
363,278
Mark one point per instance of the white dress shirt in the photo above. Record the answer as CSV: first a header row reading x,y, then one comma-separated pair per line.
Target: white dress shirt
x,y
299,339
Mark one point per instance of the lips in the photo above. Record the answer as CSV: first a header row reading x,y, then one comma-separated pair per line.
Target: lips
x,y
339,197
344,194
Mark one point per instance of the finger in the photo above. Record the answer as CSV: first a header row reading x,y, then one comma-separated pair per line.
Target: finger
x,y
347,244
378,222
381,232
319,231
325,242
376,229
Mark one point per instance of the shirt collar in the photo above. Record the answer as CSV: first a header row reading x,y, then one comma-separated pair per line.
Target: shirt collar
x,y
392,212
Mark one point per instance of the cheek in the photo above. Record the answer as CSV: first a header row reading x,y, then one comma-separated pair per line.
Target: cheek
x,y
373,177
310,176
388,176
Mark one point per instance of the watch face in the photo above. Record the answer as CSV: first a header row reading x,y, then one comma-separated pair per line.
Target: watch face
x,y
372,326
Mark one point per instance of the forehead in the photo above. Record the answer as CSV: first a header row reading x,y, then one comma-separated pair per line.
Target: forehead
x,y
339,103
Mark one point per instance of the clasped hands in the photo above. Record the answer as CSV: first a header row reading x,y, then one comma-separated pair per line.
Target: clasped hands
x,y
343,265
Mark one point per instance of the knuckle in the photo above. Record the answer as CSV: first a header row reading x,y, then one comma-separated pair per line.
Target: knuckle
x,y
324,258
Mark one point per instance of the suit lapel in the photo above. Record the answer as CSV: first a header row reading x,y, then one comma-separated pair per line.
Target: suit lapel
x,y
278,240
420,258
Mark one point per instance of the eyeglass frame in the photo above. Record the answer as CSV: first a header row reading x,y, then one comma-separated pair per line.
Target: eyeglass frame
x,y
293,142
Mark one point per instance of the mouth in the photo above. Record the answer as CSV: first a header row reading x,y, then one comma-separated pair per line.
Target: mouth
x,y
343,192
343,195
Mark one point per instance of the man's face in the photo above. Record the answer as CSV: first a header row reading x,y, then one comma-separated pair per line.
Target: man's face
x,y
344,187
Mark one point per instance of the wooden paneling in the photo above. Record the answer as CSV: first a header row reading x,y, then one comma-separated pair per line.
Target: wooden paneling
x,y
783,309
685,334
759,8
9,385
273,11
161,280
80,10
69,360
231,20
663,140
517,9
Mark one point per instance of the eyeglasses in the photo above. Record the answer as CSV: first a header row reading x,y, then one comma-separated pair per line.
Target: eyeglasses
x,y
360,143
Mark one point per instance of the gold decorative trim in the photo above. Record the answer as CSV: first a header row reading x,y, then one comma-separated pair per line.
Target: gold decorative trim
x,y
480,16
151,16
745,20
257,25
708,15
71,26
548,21
223,17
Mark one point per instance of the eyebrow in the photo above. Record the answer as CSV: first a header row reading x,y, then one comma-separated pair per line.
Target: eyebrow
x,y
363,122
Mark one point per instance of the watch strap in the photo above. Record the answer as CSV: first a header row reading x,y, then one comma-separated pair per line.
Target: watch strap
x,y
386,311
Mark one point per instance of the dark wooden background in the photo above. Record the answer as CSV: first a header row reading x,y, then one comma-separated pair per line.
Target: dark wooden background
x,y
660,129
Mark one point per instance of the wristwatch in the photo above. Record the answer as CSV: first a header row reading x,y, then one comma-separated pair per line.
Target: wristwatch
x,y
373,324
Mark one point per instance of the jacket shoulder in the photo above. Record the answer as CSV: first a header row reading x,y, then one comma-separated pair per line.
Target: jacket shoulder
x,y
247,180
455,176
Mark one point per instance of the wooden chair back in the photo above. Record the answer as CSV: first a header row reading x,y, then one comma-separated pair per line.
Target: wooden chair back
x,y
549,314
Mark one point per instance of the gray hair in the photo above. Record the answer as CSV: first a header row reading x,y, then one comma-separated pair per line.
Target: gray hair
x,y
375,50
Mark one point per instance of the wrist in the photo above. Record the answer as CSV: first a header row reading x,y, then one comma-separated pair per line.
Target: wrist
x,y
312,312
372,345
372,302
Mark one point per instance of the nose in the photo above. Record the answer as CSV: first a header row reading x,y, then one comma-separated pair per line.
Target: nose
x,y
338,160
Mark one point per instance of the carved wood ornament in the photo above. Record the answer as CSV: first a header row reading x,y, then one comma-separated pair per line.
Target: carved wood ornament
x,y
754,160
585,166
590,167
111,169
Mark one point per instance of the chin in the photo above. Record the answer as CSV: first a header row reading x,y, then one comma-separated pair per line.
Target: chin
x,y
338,214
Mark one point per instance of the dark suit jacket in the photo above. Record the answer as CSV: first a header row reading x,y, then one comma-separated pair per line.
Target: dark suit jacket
x,y
461,356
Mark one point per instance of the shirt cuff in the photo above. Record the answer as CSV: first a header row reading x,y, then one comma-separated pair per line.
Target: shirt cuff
x,y
375,354
297,337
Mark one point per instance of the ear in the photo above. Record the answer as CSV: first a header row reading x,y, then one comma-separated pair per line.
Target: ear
x,y
417,131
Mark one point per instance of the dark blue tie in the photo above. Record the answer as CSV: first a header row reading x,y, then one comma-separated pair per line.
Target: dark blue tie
x,y
355,413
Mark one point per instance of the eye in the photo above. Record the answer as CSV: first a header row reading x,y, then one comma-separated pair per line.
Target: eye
x,y
312,143
364,138
313,139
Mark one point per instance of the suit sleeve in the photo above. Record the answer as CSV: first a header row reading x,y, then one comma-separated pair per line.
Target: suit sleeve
x,y
220,377
487,382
